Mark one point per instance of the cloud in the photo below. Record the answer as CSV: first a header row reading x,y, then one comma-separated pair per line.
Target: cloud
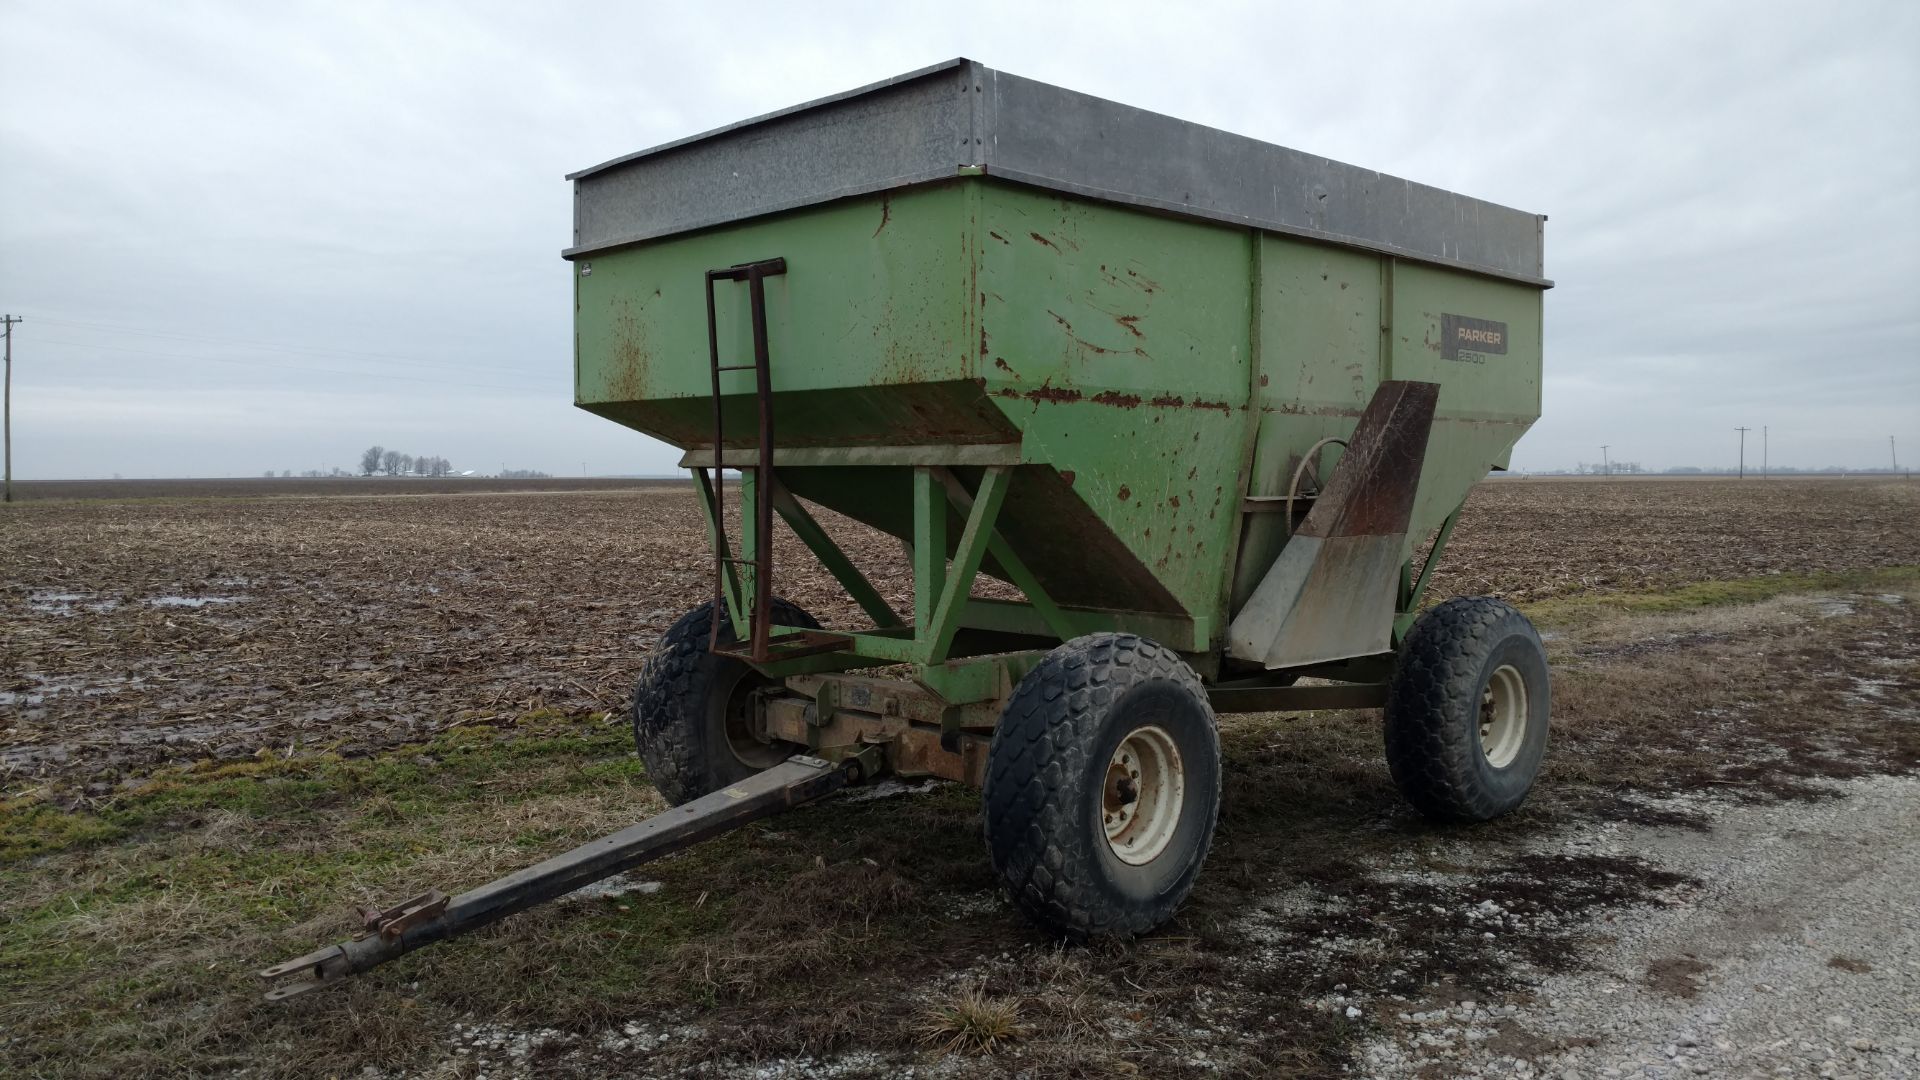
x,y
370,195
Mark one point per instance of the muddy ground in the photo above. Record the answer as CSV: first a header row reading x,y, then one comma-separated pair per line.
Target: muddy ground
x,y
229,720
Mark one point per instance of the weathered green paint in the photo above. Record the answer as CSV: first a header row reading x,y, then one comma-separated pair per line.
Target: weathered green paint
x,y
873,297
957,454
1013,617
976,679
1118,343
1145,372
1484,407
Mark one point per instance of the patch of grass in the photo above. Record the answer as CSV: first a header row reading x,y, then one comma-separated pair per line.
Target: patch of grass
x,y
1773,709
454,767
970,1022
29,830
159,903
1580,608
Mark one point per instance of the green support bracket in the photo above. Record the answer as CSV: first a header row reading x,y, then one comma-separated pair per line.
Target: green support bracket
x,y
818,663
835,560
977,679
937,638
730,593
929,548
1013,617
1412,589
1057,621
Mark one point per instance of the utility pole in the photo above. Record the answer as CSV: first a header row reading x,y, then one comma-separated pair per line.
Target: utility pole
x,y
1606,467
1893,453
1743,450
8,406
1763,451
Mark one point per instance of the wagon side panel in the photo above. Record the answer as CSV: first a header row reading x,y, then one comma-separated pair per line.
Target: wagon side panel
x,y
867,328
1120,343
1480,339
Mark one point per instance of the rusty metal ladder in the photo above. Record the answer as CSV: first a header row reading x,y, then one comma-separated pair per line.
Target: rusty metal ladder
x,y
759,613
759,635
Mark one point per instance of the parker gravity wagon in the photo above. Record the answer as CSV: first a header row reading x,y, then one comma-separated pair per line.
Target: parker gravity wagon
x,y
1197,398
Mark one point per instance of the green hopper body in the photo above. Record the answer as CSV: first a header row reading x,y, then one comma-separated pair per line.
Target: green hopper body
x,y
1148,374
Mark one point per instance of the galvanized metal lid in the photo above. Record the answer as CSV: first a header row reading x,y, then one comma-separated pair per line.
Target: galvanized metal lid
x,y
935,123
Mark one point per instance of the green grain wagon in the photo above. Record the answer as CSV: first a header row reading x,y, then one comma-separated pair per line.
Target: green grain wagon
x,y
1196,398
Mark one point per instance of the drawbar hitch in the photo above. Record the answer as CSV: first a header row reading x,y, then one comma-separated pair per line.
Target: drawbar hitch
x,y
433,916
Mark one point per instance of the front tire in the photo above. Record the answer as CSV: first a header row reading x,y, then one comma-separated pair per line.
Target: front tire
x,y
1103,787
692,710
1467,709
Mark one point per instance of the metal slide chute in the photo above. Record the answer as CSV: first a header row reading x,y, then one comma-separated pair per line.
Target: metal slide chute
x,y
1331,594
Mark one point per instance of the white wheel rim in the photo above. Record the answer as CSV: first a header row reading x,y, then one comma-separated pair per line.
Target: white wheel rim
x,y
1140,800
1503,716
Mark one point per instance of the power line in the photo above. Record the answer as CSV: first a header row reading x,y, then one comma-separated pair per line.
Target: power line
x,y
304,350
257,364
7,407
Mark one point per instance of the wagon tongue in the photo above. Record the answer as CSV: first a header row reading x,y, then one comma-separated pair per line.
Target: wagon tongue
x,y
433,916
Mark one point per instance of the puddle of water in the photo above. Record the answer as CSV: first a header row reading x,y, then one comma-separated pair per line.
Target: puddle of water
x,y
45,687
67,603
191,601
1865,687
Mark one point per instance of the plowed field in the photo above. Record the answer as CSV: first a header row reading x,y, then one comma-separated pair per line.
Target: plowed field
x,y
144,632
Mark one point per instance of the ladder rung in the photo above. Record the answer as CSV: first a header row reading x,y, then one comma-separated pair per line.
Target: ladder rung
x,y
736,367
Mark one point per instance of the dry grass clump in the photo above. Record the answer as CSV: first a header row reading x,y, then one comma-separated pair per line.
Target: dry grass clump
x,y
971,1022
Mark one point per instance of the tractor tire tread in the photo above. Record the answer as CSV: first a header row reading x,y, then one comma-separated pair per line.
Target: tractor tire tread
x,y
1035,842
1430,750
670,699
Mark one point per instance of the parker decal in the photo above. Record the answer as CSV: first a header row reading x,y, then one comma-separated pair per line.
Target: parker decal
x,y
1472,340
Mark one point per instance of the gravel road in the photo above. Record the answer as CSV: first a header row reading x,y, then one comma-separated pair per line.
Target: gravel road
x,y
1797,955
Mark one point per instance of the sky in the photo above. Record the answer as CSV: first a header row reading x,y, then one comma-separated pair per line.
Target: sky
x,y
249,236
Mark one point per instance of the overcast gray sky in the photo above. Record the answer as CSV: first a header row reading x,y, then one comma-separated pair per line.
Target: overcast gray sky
x,y
266,235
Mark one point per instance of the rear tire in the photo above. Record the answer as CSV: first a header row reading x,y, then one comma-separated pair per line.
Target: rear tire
x,y
1103,787
692,710
1467,709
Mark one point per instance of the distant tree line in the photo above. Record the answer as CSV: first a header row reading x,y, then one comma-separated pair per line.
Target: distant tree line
x,y
379,459
310,474
1629,468
523,474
